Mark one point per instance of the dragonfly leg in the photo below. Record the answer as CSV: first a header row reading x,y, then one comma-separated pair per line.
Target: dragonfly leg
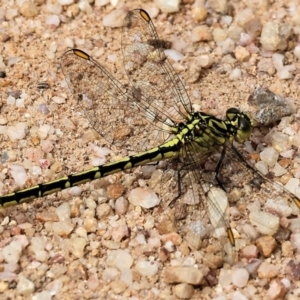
x,y
218,167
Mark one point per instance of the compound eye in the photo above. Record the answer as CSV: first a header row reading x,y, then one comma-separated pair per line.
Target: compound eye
x,y
244,129
244,124
232,113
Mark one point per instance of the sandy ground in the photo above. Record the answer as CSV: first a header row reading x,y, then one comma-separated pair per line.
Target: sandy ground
x,y
30,50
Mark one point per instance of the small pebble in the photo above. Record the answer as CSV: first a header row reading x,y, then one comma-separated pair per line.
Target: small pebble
x,y
37,247
63,211
93,283
55,286
287,249
276,290
90,224
56,167
29,9
118,286
44,295
297,51
199,14
98,3
52,20
19,174
170,6
75,191
67,123
25,287
174,237
235,74
269,156
43,131
240,277
201,33
279,170
5,221
280,141
144,197
120,259
3,286
35,154
127,276
194,71
264,222
121,206
237,295
149,222
274,36
241,54
114,19
11,13
292,185
17,132
219,6
47,216
112,245
115,191
253,266
63,228
174,55
12,252
184,291
58,100
250,251
283,234
111,274
119,233
147,268
47,146
234,32
189,275
103,211
43,108
78,245
225,277
292,269
163,254
266,245
205,61
283,71
219,35
295,240
91,203
267,270
81,232
265,64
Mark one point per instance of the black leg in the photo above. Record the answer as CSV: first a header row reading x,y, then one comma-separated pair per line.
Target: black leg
x,y
218,167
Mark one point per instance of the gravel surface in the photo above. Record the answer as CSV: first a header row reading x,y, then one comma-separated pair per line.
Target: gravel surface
x,y
102,240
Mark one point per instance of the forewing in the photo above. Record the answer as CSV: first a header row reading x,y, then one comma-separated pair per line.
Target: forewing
x,y
112,111
150,72
262,201
196,209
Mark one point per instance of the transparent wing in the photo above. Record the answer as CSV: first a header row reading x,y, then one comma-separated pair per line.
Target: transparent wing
x,y
162,91
195,206
236,173
116,114
197,211
259,205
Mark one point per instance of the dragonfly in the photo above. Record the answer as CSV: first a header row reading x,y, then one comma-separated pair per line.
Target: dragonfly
x,y
154,117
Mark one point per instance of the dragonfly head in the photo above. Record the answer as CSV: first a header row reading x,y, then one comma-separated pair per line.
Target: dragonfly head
x,y
241,122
